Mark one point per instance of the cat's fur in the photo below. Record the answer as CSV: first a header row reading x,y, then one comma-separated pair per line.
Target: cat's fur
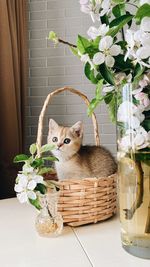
x,y
75,160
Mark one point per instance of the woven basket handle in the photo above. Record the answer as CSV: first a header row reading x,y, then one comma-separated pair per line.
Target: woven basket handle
x,y
42,114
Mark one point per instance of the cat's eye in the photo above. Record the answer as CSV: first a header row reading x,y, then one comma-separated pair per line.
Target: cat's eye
x,y
55,139
67,140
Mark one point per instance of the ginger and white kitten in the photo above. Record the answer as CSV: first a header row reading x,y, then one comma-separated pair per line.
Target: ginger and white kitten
x,y
75,160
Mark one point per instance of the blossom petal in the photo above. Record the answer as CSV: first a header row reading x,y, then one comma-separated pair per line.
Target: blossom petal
x,y
115,50
31,185
145,39
134,122
93,32
109,61
85,58
38,179
145,24
22,179
143,52
31,195
130,38
22,197
98,58
105,43
27,168
18,188
107,89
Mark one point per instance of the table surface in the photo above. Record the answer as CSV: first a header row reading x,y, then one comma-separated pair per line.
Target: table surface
x,y
96,245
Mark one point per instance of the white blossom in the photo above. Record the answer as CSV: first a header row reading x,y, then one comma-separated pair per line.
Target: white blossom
x,y
145,24
96,8
142,97
107,51
31,185
22,197
27,168
26,183
121,76
131,114
108,88
135,139
85,58
93,32
90,8
138,46
106,7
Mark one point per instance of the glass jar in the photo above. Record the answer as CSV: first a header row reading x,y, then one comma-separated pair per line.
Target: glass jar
x,y
49,222
133,174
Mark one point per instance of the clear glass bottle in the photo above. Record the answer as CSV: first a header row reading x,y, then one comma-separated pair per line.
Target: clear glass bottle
x,y
133,181
49,222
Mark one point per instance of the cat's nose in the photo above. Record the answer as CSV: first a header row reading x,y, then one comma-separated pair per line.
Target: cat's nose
x,y
59,145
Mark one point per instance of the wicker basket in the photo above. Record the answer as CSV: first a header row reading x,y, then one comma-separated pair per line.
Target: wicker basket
x,y
88,200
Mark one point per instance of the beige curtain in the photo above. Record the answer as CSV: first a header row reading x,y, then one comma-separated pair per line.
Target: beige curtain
x,y
13,86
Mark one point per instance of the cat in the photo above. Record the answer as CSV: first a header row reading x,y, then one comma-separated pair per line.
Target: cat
x,y
75,160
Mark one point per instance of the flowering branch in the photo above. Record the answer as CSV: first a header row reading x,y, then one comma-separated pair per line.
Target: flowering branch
x,y
29,182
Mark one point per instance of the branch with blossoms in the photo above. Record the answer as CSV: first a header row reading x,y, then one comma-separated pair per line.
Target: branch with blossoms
x,y
111,62
106,57
29,182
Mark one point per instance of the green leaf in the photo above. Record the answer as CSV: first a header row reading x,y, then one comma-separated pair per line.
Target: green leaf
x,y
105,19
106,74
95,42
21,158
112,108
118,10
99,90
118,1
143,11
108,97
90,73
82,44
121,21
35,203
142,157
117,24
74,51
33,149
138,71
46,148
50,158
121,64
37,163
93,105
122,44
146,125
45,170
41,188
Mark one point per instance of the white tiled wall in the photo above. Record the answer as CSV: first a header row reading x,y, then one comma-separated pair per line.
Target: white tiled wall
x,y
52,68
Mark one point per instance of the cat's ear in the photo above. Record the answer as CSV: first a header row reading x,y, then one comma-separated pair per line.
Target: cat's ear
x,y
52,125
77,129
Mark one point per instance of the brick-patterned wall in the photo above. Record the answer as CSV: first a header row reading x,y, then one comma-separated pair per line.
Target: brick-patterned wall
x,y
51,68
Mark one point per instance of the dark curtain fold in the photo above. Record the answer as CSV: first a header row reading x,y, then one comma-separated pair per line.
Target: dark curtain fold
x,y
13,87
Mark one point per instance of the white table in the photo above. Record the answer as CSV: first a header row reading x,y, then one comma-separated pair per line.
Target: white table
x,y
93,245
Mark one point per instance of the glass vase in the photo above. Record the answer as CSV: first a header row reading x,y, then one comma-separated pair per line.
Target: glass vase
x,y
133,176
49,222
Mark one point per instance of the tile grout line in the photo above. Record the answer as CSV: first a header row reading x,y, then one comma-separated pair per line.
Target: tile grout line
x,y
82,246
